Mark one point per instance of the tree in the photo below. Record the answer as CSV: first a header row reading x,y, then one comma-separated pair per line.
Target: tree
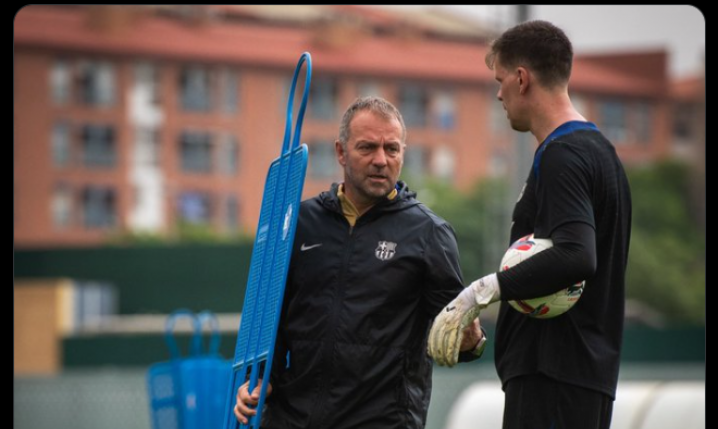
x,y
666,268
481,219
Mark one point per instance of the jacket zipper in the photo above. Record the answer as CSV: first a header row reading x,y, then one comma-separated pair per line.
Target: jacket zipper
x,y
336,306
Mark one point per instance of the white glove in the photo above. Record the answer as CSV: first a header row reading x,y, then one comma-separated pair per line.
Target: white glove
x,y
449,324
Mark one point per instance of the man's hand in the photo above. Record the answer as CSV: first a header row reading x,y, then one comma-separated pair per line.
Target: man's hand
x,y
445,337
471,336
246,403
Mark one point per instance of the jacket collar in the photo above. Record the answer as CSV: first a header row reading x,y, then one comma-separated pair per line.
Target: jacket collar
x,y
404,198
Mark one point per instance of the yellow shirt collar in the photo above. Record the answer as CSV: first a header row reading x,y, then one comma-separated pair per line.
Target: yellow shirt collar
x,y
349,209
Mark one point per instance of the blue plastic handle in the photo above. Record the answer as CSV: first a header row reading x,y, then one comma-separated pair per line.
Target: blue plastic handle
x,y
209,317
286,147
196,342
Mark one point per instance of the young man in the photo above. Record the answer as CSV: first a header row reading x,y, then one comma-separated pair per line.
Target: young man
x,y
559,373
371,267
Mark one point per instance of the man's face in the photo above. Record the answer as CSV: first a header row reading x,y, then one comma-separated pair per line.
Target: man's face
x,y
373,157
509,95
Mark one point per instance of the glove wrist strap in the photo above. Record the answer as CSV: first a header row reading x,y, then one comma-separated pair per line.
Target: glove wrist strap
x,y
486,290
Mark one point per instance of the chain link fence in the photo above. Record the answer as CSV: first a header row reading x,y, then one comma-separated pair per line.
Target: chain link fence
x,y
116,398
88,399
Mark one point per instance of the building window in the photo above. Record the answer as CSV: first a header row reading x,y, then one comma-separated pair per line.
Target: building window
x,y
413,105
98,145
228,154
443,163
195,208
323,163
367,89
61,144
323,98
643,119
231,214
62,206
498,122
96,83
98,207
683,118
416,161
613,121
93,303
196,152
195,90
60,82
581,105
443,110
147,83
286,84
229,90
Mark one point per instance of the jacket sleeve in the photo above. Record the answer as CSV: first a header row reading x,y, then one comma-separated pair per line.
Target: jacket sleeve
x,y
444,280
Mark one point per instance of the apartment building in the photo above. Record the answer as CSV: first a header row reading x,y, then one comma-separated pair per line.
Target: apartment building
x,y
147,119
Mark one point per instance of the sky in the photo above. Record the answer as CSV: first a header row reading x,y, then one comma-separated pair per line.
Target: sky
x,y
680,29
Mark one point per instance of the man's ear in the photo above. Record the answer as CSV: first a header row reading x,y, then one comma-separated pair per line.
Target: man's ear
x,y
341,154
524,79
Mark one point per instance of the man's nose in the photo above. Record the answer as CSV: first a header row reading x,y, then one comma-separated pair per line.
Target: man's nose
x,y
379,158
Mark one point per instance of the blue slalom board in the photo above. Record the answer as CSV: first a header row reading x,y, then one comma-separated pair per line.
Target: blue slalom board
x,y
189,392
270,260
164,382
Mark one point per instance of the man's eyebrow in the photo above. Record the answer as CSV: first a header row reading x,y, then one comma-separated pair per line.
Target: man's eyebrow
x,y
372,142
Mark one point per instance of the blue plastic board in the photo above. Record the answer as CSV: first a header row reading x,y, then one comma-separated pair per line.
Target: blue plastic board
x,y
204,389
189,392
164,395
270,260
164,381
204,382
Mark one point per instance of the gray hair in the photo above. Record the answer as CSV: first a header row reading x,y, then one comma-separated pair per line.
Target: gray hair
x,y
376,105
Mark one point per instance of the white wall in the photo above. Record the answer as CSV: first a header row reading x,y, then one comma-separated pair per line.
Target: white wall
x,y
639,405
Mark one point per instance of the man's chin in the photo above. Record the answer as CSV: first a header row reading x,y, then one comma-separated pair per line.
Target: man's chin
x,y
519,127
378,192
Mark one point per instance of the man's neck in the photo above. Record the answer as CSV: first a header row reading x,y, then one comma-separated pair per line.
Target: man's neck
x,y
349,200
555,110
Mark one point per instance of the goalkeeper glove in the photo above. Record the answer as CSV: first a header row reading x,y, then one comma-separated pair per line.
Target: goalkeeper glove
x,y
448,326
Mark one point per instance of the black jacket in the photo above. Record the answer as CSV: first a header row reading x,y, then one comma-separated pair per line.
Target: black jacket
x,y
357,309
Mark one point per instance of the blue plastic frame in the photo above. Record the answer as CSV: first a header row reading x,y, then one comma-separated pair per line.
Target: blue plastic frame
x,y
270,259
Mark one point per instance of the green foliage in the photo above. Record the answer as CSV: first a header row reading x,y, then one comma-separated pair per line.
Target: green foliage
x,y
185,233
481,219
666,268
197,233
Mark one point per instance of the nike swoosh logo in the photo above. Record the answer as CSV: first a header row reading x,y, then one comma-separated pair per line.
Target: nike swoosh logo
x,y
305,247
450,309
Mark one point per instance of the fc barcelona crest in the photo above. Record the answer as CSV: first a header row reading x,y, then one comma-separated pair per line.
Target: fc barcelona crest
x,y
385,250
